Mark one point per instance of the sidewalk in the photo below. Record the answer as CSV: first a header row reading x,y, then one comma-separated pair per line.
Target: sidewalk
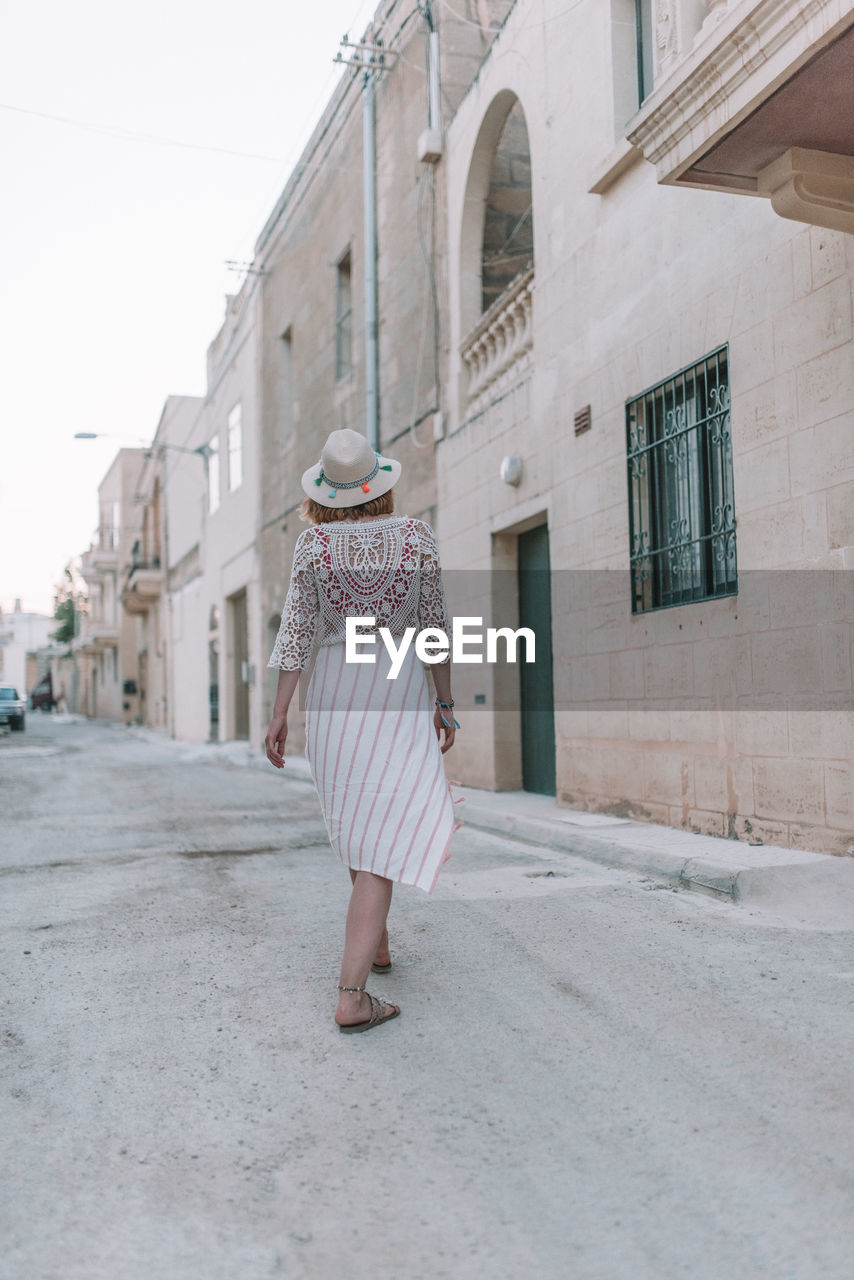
x,y
820,885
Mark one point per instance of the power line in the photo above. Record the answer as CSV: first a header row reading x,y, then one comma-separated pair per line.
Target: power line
x,y
542,22
300,154
130,134
469,22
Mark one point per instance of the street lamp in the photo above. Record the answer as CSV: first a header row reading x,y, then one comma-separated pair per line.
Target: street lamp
x,y
203,450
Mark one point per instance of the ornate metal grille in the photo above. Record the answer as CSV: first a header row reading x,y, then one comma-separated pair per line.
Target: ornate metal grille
x,y
681,506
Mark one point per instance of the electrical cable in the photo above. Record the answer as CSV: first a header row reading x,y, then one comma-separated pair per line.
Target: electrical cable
x,y
298,159
430,260
131,135
416,383
307,157
542,22
469,22
495,254
421,70
226,356
406,20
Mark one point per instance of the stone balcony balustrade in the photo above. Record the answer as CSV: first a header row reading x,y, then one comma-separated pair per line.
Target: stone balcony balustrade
x,y
499,347
143,586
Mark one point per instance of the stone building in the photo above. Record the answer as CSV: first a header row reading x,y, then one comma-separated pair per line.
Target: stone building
x,y
194,586
22,636
659,410
230,606
147,683
621,390
316,272
105,646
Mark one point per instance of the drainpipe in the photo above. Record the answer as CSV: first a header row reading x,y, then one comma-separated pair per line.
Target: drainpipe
x,y
372,425
430,146
435,108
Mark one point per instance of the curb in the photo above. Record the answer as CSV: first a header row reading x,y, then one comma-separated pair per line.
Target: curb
x,y
818,884
818,888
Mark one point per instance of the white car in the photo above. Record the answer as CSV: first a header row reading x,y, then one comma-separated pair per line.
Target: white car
x,y
12,708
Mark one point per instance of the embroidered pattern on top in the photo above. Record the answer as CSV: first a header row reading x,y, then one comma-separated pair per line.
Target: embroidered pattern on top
x,y
387,569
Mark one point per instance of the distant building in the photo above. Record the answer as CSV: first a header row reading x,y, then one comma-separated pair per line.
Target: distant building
x,y
194,592
166,474
22,635
222,628
105,645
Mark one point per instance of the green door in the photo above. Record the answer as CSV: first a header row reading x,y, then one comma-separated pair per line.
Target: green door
x,y
535,678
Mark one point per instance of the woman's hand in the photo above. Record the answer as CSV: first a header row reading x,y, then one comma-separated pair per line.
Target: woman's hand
x,y
275,740
443,717
447,729
278,730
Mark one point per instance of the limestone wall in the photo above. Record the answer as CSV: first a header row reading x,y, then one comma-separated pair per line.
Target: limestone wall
x,y
631,286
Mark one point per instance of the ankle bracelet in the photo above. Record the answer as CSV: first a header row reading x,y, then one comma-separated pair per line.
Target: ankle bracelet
x,y
353,989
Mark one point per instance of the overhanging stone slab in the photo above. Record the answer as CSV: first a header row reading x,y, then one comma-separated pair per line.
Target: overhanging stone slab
x,y
753,87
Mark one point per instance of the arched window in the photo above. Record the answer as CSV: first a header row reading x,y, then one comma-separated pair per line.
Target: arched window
x,y
508,222
497,255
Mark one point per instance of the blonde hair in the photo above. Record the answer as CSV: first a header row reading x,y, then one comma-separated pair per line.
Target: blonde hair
x,y
315,512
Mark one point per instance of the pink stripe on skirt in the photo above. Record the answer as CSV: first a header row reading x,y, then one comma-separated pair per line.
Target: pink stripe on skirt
x,y
385,799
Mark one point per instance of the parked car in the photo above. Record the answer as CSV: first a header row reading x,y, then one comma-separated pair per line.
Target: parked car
x,y
12,708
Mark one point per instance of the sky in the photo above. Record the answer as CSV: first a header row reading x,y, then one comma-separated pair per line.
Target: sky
x,y
113,275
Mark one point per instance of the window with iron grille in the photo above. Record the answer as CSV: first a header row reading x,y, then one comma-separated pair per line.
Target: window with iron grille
x,y
681,506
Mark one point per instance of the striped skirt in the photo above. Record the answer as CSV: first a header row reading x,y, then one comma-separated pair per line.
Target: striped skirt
x,y
376,763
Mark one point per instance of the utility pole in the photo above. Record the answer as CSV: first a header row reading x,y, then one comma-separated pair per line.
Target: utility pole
x,y
369,153
372,60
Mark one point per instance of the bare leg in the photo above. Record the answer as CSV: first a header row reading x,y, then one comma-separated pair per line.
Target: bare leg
x,y
383,955
366,917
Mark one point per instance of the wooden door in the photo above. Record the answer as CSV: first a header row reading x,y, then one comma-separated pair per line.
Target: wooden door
x,y
240,669
535,678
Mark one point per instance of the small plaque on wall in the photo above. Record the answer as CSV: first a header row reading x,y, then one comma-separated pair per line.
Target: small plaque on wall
x,y
582,420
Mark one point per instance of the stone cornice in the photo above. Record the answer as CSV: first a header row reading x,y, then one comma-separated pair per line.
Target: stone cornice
x,y
811,186
752,48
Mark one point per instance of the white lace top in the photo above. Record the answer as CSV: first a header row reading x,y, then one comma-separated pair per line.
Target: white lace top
x,y
387,568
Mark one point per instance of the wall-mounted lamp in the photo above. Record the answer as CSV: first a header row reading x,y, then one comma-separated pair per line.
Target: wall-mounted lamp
x,y
511,469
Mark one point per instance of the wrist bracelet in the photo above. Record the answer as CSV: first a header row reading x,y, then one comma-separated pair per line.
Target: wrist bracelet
x,y
447,707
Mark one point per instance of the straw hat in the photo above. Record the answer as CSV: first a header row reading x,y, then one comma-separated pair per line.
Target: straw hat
x,y
349,472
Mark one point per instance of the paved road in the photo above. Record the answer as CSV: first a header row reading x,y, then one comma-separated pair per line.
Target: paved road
x,y
594,1077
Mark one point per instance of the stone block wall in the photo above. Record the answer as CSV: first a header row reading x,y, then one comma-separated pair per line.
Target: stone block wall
x,y
733,716
319,217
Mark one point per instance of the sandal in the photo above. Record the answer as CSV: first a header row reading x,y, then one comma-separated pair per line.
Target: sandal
x,y
381,968
377,1016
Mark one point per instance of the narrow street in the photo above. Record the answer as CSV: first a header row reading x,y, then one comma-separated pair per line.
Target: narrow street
x,y
595,1077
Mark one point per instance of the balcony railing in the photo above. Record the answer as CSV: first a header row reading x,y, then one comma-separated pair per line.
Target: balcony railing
x,y
95,638
498,348
143,585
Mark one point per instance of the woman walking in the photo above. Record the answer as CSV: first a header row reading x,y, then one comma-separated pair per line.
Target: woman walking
x,y
371,742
